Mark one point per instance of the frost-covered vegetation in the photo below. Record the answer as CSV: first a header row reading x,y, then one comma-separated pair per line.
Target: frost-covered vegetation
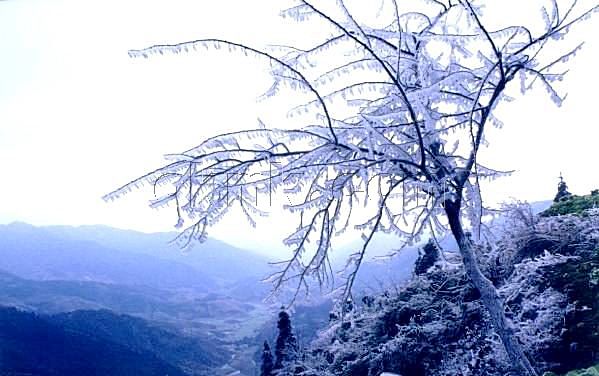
x,y
574,205
397,113
436,325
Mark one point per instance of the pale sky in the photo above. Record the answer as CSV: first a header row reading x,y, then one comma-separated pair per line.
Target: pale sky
x,y
79,118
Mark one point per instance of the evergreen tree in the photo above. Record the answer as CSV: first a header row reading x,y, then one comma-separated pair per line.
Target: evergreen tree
x,y
562,190
267,361
426,258
286,346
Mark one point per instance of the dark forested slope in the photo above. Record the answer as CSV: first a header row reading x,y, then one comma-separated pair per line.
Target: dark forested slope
x,y
34,345
98,343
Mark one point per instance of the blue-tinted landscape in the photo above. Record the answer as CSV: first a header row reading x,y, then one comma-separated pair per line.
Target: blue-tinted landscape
x,y
299,188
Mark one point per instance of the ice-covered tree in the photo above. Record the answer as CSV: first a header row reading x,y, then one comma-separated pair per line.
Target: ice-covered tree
x,y
398,112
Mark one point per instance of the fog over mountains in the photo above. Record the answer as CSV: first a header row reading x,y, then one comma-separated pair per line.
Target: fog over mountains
x,y
200,312
210,298
138,286
101,253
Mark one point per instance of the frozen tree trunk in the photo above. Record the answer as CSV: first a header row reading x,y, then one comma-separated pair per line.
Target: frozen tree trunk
x,y
489,295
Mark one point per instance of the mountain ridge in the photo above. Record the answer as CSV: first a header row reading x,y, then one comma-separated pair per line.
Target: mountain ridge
x,y
105,254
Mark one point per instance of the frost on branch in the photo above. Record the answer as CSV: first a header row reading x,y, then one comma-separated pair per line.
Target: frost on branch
x,y
400,114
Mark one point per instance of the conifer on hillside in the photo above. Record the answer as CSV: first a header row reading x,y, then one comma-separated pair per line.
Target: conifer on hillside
x,y
267,361
286,347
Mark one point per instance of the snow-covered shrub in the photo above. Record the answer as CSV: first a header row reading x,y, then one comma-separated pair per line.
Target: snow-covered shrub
x,y
436,325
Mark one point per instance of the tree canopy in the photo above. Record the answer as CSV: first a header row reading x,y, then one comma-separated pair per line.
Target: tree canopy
x,y
398,117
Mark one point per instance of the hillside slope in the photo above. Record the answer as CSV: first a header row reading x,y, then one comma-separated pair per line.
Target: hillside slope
x,y
36,253
546,270
213,258
192,355
34,345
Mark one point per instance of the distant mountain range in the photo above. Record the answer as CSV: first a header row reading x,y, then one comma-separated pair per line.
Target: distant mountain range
x,y
218,260
123,257
94,286
136,304
104,254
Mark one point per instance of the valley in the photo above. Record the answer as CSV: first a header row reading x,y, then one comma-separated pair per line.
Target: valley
x,y
207,302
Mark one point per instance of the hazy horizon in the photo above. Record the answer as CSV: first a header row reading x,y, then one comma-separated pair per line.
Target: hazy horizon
x,y
80,118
